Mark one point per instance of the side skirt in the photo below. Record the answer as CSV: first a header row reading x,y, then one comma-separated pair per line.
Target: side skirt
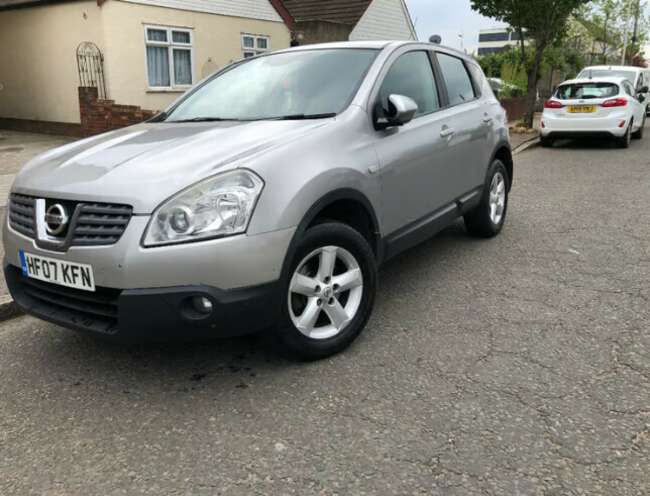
x,y
428,226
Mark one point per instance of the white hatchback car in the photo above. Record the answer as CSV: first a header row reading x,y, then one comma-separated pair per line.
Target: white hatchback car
x,y
608,107
638,76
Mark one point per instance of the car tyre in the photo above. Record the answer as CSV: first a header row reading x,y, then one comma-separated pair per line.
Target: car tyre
x,y
625,140
488,218
639,133
309,286
546,142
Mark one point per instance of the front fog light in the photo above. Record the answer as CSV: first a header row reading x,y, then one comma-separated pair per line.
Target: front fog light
x,y
202,305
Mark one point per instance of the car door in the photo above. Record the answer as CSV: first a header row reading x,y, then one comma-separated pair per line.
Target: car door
x,y
414,158
471,118
642,82
646,84
638,107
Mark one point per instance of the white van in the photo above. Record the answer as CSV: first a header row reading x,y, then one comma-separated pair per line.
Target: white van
x,y
638,76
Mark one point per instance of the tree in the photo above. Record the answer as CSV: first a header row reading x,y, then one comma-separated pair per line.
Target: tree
x,y
608,8
543,22
607,21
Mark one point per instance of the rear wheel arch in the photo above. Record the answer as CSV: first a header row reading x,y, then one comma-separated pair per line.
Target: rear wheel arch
x,y
504,154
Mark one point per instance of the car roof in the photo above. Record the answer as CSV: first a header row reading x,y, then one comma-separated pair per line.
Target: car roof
x,y
614,80
376,45
630,68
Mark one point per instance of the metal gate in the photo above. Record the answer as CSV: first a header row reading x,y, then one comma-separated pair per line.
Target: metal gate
x,y
90,64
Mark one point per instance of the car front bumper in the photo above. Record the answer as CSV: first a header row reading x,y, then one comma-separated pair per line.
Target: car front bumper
x,y
148,293
159,314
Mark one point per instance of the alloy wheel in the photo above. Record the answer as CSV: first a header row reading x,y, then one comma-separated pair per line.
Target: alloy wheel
x,y
325,292
497,198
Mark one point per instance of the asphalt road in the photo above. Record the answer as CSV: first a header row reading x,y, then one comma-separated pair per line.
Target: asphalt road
x,y
517,366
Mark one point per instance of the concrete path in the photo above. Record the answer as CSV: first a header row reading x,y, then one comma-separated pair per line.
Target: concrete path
x,y
519,140
16,149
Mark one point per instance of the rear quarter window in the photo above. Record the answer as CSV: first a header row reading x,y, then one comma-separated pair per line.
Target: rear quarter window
x,y
477,78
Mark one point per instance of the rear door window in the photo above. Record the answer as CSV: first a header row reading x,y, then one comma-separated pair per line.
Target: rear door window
x,y
586,91
459,84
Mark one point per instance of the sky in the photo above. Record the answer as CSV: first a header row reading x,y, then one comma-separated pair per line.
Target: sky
x,y
449,19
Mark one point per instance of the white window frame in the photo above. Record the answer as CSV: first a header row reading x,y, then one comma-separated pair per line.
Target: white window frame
x,y
248,52
170,44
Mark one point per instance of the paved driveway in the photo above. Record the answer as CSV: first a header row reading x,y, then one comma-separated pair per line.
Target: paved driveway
x,y
16,149
518,366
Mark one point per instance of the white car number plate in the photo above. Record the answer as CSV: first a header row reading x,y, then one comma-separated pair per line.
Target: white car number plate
x,y
70,274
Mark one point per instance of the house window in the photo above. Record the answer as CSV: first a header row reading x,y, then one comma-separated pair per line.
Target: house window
x,y
252,45
169,57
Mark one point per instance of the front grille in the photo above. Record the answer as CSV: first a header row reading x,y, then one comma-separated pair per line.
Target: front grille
x,y
95,224
96,311
100,224
21,214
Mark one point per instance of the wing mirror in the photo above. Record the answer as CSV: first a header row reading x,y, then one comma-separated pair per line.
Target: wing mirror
x,y
645,89
401,110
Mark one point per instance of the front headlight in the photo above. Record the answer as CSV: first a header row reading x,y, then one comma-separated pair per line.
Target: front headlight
x,y
219,206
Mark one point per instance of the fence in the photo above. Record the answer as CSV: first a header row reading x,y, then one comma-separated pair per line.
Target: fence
x,y
515,108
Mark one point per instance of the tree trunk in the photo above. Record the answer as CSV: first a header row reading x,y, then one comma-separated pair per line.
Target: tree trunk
x,y
531,97
605,44
522,47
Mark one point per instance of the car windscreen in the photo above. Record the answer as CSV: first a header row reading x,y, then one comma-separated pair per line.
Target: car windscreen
x,y
596,73
299,84
585,91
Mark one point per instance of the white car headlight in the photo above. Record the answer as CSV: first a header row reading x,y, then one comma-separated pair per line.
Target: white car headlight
x,y
219,206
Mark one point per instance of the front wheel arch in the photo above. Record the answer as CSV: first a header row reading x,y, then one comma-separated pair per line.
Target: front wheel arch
x,y
320,206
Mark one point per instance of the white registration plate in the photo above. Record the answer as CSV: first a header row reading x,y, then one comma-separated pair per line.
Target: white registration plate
x,y
70,274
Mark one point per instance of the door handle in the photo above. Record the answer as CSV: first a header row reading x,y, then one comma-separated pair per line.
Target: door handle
x,y
488,120
447,133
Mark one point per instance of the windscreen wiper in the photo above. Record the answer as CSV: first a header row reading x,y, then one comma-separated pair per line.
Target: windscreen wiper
x,y
160,117
202,119
302,117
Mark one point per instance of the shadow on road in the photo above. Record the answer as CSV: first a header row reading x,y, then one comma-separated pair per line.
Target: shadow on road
x,y
187,364
587,144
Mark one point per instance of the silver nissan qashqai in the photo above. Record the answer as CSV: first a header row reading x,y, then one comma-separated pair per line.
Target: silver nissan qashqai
x,y
264,198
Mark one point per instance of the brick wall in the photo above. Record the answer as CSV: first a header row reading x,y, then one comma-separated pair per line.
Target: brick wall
x,y
42,127
99,116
